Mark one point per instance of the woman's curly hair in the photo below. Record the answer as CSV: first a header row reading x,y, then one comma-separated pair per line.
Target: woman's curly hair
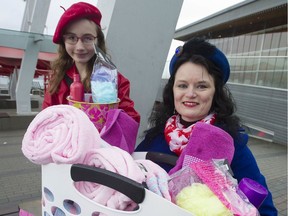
x,y
223,103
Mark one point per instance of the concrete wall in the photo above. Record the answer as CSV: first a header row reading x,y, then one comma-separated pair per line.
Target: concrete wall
x,y
264,109
139,35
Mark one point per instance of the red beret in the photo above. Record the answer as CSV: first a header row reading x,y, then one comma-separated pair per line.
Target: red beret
x,y
77,11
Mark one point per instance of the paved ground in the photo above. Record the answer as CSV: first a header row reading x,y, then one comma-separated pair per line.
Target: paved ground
x,y
272,160
20,180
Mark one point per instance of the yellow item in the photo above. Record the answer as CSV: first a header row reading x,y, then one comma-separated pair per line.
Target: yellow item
x,y
201,201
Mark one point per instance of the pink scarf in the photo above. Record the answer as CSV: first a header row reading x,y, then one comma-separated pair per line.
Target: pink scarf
x,y
177,136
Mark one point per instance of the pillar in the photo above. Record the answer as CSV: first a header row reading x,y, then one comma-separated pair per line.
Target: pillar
x,y
29,61
139,35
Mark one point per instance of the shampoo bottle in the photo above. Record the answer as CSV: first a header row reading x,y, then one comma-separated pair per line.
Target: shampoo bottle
x,y
77,89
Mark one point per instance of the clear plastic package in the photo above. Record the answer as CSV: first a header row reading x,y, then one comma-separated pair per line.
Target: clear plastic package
x,y
104,82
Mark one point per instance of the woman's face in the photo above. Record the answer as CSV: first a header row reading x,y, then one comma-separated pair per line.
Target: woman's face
x,y
193,91
82,51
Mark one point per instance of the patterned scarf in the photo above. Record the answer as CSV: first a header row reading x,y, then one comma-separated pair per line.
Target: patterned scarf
x,y
177,136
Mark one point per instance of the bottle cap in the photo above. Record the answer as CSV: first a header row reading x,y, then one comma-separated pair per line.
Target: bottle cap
x,y
76,77
255,192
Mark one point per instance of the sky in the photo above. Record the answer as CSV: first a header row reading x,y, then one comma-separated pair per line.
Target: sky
x,y
12,11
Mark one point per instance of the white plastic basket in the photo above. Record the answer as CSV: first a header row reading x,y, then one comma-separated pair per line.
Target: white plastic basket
x,y
58,188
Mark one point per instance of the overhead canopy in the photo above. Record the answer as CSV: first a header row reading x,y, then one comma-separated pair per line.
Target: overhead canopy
x,y
11,58
240,19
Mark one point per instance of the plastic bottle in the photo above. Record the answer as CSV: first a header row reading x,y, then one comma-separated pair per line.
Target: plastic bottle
x,y
255,192
77,89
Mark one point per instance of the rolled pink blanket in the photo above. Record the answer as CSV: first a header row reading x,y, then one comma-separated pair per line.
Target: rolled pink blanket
x,y
60,134
115,160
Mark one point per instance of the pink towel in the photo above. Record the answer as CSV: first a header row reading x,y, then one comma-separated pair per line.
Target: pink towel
x,y
116,160
206,142
156,178
120,130
60,134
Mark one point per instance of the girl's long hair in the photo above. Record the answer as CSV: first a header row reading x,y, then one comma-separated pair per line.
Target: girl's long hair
x,y
64,62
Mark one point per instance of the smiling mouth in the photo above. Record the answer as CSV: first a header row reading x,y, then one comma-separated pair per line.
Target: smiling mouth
x,y
189,103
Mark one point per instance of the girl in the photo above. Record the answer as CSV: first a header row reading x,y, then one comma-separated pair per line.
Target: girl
x,y
76,33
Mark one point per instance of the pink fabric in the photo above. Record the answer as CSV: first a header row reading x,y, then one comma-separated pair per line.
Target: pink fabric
x,y
120,130
223,188
213,179
207,142
116,160
60,134
156,178
24,213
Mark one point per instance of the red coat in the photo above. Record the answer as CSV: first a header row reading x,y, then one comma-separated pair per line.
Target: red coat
x,y
123,94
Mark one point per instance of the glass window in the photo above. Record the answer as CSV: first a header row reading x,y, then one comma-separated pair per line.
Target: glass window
x,y
267,42
238,66
263,64
249,64
277,78
275,40
283,40
260,38
274,52
232,62
253,44
249,77
260,78
240,48
268,80
229,43
283,83
257,62
241,77
246,47
235,45
282,52
225,46
280,63
236,77
271,64
231,77
219,43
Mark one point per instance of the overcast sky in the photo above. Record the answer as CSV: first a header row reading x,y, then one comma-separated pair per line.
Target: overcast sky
x,y
11,14
11,11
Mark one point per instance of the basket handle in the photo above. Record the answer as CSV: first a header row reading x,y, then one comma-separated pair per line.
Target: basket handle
x,y
158,157
132,189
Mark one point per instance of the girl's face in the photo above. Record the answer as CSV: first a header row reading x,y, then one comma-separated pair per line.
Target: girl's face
x,y
193,92
82,50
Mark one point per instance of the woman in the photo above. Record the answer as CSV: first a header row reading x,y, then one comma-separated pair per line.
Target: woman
x,y
76,33
196,92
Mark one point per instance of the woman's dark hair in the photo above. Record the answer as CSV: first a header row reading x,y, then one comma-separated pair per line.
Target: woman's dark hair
x,y
223,103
